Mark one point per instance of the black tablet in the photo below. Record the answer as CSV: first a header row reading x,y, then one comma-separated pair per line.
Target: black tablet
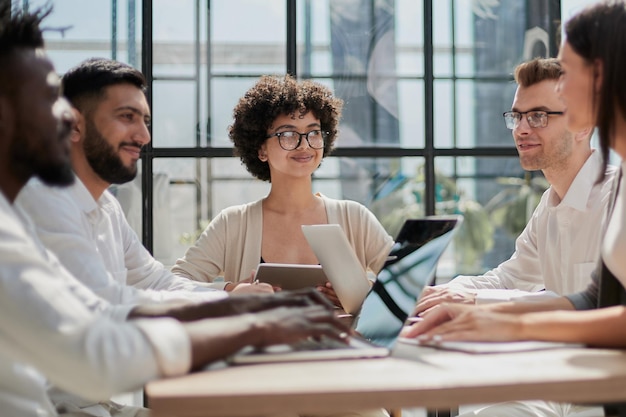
x,y
290,276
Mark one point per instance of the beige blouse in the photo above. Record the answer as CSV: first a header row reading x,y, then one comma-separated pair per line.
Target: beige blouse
x,y
230,246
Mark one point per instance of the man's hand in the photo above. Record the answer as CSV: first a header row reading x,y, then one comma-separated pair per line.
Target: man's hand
x,y
215,339
286,325
433,296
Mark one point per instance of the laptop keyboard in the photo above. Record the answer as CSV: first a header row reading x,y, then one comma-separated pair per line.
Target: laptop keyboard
x,y
321,344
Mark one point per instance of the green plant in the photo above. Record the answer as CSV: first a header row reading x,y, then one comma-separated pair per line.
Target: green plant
x,y
512,207
401,198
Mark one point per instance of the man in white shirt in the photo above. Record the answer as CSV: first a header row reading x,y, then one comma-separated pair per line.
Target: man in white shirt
x,y
84,225
52,327
559,247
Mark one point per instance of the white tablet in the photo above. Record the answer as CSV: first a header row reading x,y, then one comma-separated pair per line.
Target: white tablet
x,y
290,276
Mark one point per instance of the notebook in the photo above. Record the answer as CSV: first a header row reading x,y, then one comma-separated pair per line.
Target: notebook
x,y
388,302
494,347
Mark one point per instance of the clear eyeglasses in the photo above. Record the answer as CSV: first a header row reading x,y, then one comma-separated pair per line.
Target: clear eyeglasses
x,y
535,118
291,140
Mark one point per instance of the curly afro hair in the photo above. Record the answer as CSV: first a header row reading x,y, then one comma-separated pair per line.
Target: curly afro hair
x,y
271,97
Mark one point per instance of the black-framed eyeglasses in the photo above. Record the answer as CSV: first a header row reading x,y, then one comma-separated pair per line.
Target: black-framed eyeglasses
x,y
535,118
291,140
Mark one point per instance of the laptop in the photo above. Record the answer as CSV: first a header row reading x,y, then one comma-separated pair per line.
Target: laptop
x,y
340,264
387,304
343,268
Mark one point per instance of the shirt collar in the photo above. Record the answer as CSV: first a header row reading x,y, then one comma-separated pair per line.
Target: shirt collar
x,y
578,193
82,196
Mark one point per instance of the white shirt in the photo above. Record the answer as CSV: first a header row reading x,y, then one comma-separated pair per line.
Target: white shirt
x,y
559,248
52,325
93,240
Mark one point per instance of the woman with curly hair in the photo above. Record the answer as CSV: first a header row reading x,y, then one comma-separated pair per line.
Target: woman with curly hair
x,y
282,130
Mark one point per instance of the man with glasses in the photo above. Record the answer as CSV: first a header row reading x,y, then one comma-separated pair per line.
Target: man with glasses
x,y
559,247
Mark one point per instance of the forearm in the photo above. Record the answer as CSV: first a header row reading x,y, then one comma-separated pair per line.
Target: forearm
x,y
599,327
153,310
216,339
552,304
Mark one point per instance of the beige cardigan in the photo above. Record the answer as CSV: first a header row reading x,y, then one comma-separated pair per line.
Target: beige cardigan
x,y
230,246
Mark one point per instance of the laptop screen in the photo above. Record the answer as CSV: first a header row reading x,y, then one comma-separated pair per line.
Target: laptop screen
x,y
419,245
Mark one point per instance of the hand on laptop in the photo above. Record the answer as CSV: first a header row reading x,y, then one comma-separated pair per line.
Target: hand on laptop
x,y
214,339
287,325
455,322
435,295
431,320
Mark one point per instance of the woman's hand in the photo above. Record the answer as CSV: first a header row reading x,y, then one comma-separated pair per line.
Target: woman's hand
x,y
330,293
252,288
249,286
466,323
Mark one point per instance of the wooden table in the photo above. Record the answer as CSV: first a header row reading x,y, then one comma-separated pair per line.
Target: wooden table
x,y
413,377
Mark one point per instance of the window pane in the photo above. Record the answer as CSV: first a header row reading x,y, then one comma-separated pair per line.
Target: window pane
x,y
352,45
173,114
411,114
250,42
479,107
492,32
174,37
442,38
225,94
488,192
77,30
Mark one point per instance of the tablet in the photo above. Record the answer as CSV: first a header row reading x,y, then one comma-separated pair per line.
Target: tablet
x,y
290,276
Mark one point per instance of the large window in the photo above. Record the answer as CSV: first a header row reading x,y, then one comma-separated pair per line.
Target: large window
x,y
425,83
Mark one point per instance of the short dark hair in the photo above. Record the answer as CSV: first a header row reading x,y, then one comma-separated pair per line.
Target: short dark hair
x,y
271,97
537,70
89,79
19,29
598,33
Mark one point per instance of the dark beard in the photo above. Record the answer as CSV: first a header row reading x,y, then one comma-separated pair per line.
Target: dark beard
x,y
103,159
27,163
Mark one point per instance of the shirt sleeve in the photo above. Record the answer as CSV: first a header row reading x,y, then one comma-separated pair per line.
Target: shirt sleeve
x,y
378,242
522,271
588,299
63,228
149,274
206,259
86,350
